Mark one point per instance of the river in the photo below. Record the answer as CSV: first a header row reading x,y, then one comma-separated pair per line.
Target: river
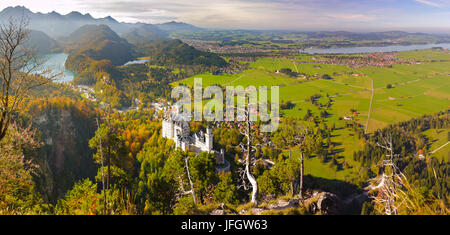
x,y
356,50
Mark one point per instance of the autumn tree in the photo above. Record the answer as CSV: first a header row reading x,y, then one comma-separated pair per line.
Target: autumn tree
x,y
225,191
83,199
292,134
203,171
110,146
156,188
18,193
177,167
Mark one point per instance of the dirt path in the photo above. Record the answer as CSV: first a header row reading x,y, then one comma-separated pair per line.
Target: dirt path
x,y
448,142
370,108
296,69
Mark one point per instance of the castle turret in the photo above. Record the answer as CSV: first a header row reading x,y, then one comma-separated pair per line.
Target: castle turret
x,y
209,139
167,129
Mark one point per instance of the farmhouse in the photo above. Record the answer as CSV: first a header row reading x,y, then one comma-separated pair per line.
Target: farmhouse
x,y
420,154
347,118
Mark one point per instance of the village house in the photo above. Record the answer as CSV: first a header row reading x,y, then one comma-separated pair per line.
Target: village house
x,y
347,118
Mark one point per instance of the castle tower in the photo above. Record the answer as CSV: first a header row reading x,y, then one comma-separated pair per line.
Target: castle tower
x,y
209,139
167,129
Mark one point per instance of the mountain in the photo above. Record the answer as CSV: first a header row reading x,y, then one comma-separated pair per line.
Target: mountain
x,y
177,52
144,34
96,48
42,43
91,35
178,26
59,26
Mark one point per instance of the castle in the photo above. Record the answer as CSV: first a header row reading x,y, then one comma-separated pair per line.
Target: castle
x,y
176,128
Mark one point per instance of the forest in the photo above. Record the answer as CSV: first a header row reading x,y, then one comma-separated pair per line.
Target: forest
x,y
360,134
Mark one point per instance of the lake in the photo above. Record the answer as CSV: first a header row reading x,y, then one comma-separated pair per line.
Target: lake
x,y
56,62
356,50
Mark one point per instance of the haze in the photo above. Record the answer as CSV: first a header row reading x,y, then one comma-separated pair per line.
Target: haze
x,y
352,15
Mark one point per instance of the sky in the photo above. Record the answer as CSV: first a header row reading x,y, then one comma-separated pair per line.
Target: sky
x,y
352,15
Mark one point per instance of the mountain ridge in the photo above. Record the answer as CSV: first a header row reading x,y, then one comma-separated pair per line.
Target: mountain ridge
x,y
59,26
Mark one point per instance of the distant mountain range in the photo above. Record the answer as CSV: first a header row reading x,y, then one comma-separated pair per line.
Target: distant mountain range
x,y
178,26
144,34
59,26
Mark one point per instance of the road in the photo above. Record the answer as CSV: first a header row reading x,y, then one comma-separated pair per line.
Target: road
x,y
370,109
440,147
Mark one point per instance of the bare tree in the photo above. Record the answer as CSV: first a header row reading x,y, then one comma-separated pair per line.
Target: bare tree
x,y
248,146
389,183
183,191
20,70
393,194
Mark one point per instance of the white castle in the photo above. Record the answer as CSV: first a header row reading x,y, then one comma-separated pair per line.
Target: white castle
x,y
176,128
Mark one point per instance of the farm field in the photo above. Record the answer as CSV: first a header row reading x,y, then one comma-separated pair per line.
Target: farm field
x,y
417,89
252,77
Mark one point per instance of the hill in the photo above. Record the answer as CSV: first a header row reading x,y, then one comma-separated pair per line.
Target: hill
x,y
98,43
175,51
42,43
96,49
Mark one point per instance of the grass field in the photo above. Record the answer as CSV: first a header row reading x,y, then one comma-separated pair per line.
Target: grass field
x,y
253,77
417,89
438,147
425,55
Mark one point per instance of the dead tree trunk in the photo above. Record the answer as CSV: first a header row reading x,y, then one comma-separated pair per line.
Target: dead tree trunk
x,y
191,184
250,177
108,183
301,175
190,180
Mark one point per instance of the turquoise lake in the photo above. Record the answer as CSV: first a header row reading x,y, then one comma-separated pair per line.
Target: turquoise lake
x,y
56,62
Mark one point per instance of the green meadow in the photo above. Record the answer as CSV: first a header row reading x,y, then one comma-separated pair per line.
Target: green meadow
x,y
253,77
438,147
417,89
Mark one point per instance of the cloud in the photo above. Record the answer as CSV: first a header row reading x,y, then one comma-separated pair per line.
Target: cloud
x,y
261,14
429,3
435,3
